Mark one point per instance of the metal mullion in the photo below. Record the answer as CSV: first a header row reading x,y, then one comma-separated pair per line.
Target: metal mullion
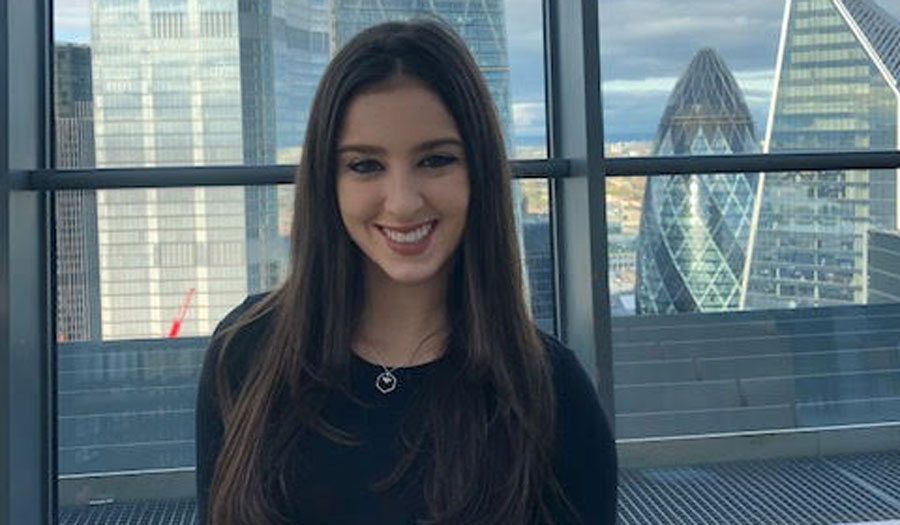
x,y
575,132
26,423
95,179
781,162
48,264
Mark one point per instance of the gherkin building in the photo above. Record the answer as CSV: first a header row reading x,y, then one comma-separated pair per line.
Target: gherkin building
x,y
694,228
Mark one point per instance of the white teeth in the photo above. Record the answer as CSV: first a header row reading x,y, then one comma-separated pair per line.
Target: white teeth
x,y
409,237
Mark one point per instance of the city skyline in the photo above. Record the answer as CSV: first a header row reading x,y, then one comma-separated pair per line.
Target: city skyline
x,y
640,60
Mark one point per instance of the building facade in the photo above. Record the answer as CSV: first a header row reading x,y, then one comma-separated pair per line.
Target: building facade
x,y
77,264
482,23
883,267
694,228
836,90
199,82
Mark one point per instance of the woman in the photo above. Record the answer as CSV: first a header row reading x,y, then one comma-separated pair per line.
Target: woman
x,y
396,376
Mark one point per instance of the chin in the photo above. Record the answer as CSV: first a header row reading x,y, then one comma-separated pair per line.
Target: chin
x,y
412,277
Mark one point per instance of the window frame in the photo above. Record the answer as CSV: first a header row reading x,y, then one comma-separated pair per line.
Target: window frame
x,y
576,170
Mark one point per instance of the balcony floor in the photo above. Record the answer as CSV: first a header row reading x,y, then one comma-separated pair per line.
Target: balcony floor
x,y
859,488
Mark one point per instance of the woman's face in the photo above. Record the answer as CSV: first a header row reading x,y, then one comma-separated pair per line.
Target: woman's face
x,y
402,181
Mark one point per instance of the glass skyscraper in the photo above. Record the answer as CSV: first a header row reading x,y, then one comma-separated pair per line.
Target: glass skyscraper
x,y
77,265
210,82
694,228
836,90
482,23
284,47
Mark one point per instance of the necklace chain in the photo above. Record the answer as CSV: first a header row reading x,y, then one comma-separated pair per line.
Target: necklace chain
x,y
386,381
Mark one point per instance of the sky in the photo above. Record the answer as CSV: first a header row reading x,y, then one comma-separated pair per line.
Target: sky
x,y
645,45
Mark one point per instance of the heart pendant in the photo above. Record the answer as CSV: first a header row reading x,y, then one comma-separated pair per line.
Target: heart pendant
x,y
386,382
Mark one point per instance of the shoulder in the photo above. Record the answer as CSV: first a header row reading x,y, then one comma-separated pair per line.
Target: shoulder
x,y
241,344
577,401
568,372
239,310
585,460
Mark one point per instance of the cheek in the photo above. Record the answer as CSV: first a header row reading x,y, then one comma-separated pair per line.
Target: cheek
x,y
352,203
461,196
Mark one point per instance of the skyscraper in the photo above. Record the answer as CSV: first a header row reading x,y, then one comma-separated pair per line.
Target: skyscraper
x,y
835,90
482,23
284,47
694,228
77,272
196,83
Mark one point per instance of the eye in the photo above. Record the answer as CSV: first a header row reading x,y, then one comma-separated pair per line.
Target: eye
x,y
437,161
364,166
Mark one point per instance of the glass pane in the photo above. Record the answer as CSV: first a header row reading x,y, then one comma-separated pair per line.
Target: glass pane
x,y
710,77
755,316
143,277
727,242
717,300
163,82
537,250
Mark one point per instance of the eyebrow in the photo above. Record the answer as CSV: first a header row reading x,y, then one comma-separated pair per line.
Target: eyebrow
x,y
375,150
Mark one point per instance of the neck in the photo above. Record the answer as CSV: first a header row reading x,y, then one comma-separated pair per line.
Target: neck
x,y
402,325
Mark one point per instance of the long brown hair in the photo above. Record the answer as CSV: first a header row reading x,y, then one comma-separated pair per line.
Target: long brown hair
x,y
486,431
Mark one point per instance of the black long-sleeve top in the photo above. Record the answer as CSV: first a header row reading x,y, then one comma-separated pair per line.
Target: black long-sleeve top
x,y
331,482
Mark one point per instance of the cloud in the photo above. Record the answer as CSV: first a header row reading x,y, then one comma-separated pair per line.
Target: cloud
x,y
657,38
72,20
528,114
524,27
632,108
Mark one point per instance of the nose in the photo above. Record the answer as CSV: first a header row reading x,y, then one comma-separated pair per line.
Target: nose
x,y
402,194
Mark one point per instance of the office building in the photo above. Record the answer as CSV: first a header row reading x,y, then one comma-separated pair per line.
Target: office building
x,y
482,23
835,90
694,228
284,47
197,83
77,265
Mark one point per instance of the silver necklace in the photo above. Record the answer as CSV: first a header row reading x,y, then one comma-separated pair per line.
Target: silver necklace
x,y
386,382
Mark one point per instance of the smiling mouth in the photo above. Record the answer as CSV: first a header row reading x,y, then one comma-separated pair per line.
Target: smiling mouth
x,y
406,235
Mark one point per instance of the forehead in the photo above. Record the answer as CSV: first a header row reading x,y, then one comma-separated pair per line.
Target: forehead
x,y
404,112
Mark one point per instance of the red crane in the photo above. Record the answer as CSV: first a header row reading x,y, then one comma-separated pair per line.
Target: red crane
x,y
176,322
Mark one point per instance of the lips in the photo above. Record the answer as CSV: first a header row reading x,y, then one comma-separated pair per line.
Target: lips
x,y
408,240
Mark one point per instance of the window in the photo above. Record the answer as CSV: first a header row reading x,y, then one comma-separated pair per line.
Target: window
x,y
751,252
149,272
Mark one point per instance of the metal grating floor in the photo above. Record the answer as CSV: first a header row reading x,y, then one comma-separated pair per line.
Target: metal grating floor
x,y
856,488
168,512
843,489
